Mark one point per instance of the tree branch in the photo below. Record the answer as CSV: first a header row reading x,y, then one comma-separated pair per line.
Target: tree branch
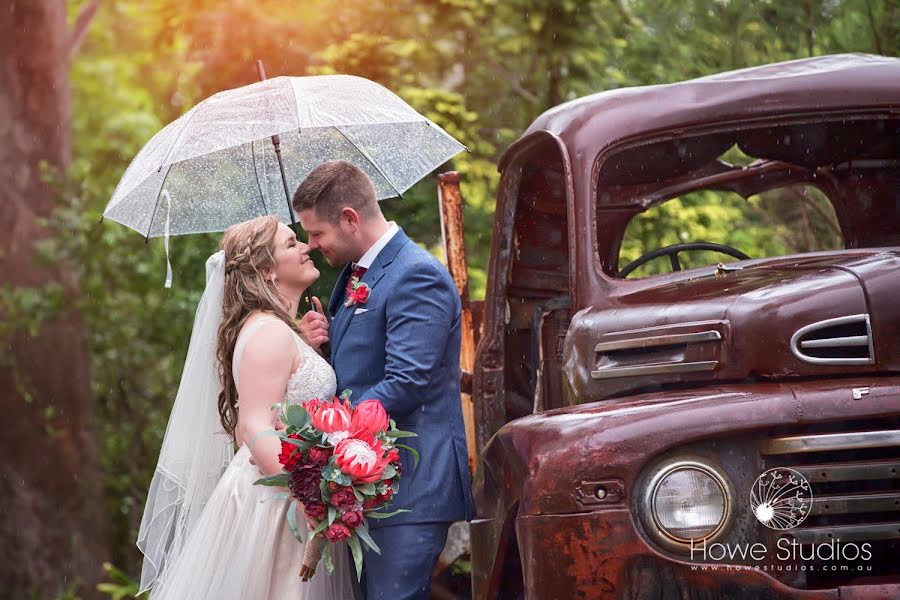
x,y
873,27
80,28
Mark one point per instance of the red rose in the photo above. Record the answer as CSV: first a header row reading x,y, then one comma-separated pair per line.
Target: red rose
x,y
290,454
343,499
316,510
319,456
352,518
333,487
361,294
337,532
369,504
382,498
304,484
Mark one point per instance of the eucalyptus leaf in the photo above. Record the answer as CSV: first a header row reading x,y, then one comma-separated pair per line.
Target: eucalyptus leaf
x,y
412,451
297,416
379,515
292,522
280,480
280,496
326,558
356,550
367,488
363,532
397,434
265,433
332,515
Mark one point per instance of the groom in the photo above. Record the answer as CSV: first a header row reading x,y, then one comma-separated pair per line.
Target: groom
x,y
395,336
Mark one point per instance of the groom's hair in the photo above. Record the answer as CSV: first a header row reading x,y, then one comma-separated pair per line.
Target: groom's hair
x,y
334,185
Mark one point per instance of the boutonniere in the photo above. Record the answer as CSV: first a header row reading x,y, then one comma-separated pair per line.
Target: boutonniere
x,y
357,292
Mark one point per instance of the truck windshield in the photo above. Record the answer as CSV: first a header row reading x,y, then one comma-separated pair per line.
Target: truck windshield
x,y
784,220
749,192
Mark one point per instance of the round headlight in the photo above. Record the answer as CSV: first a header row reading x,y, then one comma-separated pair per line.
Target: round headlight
x,y
688,502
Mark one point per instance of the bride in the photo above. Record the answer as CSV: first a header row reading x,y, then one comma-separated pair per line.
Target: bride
x,y
207,531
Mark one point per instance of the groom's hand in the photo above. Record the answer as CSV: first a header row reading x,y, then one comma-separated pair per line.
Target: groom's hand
x,y
314,325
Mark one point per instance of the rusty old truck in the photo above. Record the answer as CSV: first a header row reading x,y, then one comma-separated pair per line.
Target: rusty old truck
x,y
688,379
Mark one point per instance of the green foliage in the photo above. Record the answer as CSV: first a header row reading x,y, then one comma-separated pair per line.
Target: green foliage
x,y
120,586
482,69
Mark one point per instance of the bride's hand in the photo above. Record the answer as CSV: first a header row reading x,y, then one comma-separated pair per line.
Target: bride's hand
x,y
314,326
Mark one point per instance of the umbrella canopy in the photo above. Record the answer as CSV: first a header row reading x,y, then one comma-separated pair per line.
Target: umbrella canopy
x,y
216,166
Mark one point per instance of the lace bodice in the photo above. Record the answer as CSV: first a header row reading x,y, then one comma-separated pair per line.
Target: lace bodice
x,y
314,378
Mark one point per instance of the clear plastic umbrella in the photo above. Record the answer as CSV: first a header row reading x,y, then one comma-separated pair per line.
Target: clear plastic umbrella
x,y
216,165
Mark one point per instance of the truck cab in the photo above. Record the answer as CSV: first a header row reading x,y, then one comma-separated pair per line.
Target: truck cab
x,y
688,379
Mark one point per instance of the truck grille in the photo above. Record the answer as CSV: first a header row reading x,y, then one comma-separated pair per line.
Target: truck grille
x,y
841,341
855,481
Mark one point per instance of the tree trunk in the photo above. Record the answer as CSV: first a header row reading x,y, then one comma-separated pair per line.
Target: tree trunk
x,y
50,488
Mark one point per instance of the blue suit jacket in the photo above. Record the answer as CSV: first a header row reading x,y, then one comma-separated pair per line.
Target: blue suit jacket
x,y
403,349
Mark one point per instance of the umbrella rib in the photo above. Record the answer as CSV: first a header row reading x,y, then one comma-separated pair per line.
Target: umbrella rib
x,y
258,184
371,162
191,114
156,206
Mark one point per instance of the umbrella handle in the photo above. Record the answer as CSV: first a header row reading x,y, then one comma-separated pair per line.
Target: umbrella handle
x,y
276,141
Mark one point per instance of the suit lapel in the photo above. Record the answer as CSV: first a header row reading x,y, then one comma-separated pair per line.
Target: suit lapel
x,y
370,278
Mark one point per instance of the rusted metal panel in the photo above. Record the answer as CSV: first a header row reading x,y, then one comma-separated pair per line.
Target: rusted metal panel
x,y
451,211
539,472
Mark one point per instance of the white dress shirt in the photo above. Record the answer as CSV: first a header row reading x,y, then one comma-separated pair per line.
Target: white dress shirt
x,y
372,253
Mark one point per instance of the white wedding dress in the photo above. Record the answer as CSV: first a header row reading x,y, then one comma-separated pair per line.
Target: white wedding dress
x,y
241,547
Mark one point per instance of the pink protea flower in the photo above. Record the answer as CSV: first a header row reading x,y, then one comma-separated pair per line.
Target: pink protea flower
x,y
362,458
329,417
369,418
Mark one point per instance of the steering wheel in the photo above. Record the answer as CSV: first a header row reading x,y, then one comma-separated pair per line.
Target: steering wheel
x,y
672,252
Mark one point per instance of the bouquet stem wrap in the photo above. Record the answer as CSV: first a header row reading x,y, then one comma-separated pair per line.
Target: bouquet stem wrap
x,y
312,553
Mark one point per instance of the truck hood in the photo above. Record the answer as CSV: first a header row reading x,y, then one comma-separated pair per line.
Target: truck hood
x,y
812,315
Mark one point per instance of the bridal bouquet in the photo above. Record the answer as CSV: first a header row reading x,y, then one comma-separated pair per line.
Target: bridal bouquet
x,y
342,464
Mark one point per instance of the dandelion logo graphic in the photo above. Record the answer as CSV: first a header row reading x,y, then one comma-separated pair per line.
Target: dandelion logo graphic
x,y
781,498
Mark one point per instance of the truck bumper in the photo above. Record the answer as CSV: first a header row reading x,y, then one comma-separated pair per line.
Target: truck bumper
x,y
601,555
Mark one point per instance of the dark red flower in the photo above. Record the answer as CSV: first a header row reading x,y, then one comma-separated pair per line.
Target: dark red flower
x,y
337,532
304,483
316,510
290,454
333,487
352,518
382,498
343,499
319,456
369,504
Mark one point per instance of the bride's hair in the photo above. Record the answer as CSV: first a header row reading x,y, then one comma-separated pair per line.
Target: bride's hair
x,y
249,255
